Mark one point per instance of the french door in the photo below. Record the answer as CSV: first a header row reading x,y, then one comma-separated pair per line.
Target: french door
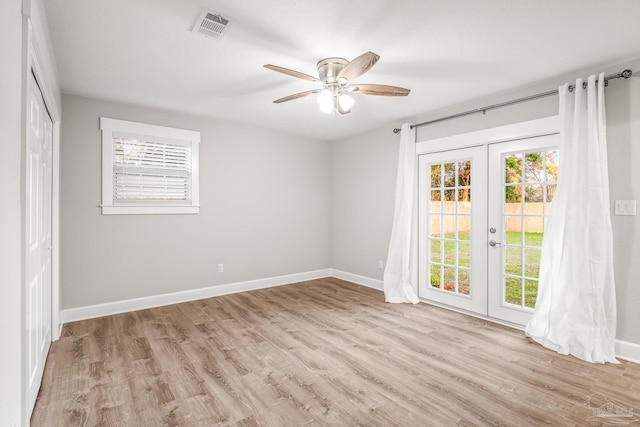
x,y
452,212
482,212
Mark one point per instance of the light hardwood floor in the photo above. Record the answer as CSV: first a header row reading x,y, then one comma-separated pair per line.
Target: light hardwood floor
x,y
323,352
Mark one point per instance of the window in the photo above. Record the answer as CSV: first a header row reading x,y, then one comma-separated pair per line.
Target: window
x,y
148,169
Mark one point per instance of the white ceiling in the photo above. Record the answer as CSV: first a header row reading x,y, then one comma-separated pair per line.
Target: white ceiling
x,y
445,51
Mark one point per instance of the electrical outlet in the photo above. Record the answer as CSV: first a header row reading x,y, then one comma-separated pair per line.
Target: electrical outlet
x,y
625,207
220,268
380,264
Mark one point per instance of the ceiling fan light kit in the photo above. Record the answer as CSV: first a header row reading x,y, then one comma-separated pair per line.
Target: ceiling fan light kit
x,y
335,75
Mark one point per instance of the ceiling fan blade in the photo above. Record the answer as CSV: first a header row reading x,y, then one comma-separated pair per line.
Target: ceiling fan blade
x,y
382,90
359,66
296,96
291,73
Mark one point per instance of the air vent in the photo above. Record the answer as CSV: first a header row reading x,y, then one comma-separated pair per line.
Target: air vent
x,y
210,24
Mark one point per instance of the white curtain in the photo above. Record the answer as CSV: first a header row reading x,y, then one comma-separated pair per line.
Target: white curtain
x,y
400,274
576,310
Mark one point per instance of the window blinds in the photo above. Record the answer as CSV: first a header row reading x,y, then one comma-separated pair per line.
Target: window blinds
x,y
151,171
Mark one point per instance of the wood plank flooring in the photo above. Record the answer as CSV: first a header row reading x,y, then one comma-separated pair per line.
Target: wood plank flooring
x,y
318,353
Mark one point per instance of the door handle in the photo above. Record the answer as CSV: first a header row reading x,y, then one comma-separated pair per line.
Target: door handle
x,y
494,243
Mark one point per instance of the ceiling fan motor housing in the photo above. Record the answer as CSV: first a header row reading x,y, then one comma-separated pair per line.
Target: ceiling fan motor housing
x,y
329,68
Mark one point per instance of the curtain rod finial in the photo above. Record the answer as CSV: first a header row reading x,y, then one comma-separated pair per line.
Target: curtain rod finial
x,y
396,130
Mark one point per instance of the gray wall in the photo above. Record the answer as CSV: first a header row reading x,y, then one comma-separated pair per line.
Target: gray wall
x,y
10,212
264,211
364,169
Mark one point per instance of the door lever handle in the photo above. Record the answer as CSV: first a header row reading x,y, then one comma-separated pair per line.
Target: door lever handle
x,y
494,243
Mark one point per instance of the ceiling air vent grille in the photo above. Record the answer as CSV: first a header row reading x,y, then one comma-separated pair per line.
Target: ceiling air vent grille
x,y
210,24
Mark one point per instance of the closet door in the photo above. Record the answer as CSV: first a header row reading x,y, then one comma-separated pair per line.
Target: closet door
x,y
38,239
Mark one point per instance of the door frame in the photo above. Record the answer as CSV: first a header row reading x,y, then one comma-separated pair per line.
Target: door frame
x,y
527,129
37,55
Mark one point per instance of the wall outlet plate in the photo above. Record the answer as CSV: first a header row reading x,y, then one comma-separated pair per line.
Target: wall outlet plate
x,y
625,207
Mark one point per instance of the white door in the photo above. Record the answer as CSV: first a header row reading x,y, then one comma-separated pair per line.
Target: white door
x,y
452,212
481,219
522,180
38,239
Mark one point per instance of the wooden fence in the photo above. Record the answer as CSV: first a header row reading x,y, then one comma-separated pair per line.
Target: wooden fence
x,y
514,220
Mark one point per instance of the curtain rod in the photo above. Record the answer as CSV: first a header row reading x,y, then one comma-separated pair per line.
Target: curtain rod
x,y
621,75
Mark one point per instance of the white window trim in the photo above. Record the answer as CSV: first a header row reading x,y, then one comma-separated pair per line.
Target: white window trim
x,y
109,127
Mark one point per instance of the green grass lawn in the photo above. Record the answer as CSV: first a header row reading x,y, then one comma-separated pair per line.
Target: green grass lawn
x,y
519,261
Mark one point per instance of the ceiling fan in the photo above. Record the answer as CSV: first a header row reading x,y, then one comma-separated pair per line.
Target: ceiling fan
x,y
336,76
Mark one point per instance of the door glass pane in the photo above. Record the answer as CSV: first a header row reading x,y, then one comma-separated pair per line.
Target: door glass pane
x,y
530,293
436,226
435,276
450,284
450,221
436,198
513,169
464,254
436,176
436,251
449,175
530,182
464,281
513,290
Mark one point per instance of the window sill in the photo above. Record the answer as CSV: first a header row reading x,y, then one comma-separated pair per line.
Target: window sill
x,y
150,210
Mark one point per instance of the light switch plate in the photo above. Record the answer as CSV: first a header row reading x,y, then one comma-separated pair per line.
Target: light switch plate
x,y
625,207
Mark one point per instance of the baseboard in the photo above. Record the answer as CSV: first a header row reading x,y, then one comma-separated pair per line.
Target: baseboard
x,y
624,350
117,307
628,351
360,280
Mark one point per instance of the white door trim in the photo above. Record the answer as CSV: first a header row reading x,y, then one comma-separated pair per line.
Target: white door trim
x,y
528,129
485,137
